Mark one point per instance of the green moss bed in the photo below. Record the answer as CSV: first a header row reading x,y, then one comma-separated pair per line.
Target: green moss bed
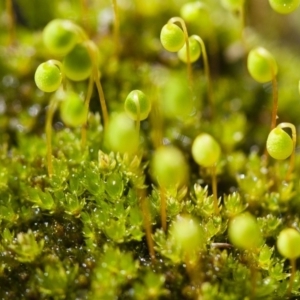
x,y
93,227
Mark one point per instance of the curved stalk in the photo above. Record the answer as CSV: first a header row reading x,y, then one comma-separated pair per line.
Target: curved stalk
x,y
163,208
292,277
48,128
101,97
275,99
92,49
156,123
147,222
207,72
186,37
214,189
87,104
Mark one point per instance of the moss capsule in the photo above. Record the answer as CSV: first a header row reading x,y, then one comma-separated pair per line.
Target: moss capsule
x,y
48,77
191,11
137,101
205,150
279,144
60,36
244,232
77,63
284,6
195,51
172,37
72,110
169,167
288,242
120,134
261,65
187,234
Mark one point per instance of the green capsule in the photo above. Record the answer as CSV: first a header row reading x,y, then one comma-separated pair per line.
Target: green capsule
x,y
279,144
48,77
77,63
60,36
172,37
72,110
288,242
284,6
169,167
195,51
120,134
261,65
137,100
205,150
244,232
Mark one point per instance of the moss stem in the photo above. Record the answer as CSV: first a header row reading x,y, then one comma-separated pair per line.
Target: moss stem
x,y
163,208
102,99
86,104
292,277
275,99
207,73
147,223
214,189
92,49
48,129
186,37
156,122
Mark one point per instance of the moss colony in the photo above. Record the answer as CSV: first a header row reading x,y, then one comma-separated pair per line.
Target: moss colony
x,y
149,149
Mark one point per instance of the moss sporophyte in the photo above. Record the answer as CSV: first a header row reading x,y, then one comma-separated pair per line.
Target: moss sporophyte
x,y
141,156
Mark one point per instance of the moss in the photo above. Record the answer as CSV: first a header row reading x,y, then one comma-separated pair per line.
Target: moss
x,y
93,229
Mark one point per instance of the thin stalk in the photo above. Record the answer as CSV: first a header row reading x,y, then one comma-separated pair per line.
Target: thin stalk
x,y
163,208
86,104
214,50
292,158
116,27
292,277
48,128
251,261
275,99
186,37
157,123
207,72
147,223
214,189
194,269
92,49
253,281
102,98
49,118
